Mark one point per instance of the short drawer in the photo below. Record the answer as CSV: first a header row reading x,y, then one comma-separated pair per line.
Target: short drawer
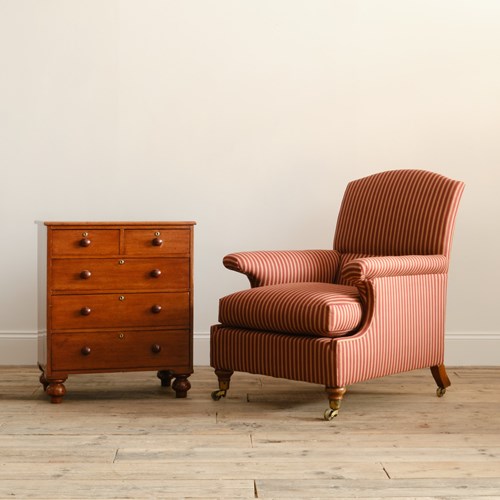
x,y
126,273
129,310
85,241
157,241
115,350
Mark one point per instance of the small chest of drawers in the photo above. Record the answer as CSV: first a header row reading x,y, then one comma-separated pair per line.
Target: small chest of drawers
x,y
115,297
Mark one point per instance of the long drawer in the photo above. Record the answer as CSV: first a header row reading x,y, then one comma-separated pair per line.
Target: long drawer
x,y
116,350
126,273
88,311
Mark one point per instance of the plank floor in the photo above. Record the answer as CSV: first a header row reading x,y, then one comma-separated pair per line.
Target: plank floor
x,y
123,436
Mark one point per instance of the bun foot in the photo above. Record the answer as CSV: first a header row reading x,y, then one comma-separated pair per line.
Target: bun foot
x,y
165,377
181,386
56,390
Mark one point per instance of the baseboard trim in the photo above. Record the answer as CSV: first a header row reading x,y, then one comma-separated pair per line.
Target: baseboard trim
x,y
461,348
472,349
18,348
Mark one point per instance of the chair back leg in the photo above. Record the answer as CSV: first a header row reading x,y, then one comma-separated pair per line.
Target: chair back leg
x,y
441,378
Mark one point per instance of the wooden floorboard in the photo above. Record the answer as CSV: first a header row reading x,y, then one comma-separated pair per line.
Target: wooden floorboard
x,y
123,436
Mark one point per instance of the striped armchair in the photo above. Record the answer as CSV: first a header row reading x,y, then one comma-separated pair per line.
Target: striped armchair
x,y
372,306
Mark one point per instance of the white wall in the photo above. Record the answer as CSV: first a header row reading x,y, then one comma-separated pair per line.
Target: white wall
x,y
249,117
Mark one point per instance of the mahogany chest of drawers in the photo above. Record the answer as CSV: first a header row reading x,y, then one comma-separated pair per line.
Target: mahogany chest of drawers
x,y
115,297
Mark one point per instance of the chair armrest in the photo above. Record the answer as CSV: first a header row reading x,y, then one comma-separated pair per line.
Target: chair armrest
x,y
367,268
274,267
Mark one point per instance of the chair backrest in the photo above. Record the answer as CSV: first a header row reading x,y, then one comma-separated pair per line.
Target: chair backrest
x,y
398,212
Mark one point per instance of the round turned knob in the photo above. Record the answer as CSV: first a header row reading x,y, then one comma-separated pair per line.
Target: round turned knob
x,y
85,311
85,275
85,350
157,242
155,273
85,242
156,348
156,308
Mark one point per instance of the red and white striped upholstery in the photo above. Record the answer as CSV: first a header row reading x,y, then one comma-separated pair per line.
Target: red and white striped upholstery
x,y
322,309
392,243
295,357
277,267
404,329
400,212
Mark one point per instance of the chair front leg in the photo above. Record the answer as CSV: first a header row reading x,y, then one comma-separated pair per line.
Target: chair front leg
x,y
441,378
335,395
224,377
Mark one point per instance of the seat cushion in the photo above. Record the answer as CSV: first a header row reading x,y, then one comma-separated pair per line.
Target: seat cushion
x,y
321,309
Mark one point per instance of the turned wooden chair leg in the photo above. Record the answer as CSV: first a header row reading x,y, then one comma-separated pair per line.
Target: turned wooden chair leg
x,y
441,378
224,377
335,395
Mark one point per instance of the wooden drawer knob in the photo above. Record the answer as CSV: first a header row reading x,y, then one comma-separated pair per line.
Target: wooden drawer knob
x,y
155,348
85,242
85,350
85,311
85,275
155,273
157,242
156,309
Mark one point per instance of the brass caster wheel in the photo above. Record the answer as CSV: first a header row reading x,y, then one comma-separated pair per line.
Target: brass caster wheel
x,y
216,395
330,414
440,392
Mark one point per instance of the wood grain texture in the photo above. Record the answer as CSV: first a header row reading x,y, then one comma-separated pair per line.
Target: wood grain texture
x,y
121,435
115,298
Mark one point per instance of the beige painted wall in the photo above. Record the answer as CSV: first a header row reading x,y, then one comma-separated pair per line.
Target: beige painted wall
x,y
249,117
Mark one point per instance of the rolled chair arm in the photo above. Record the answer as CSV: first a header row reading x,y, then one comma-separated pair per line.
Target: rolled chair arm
x,y
274,267
367,268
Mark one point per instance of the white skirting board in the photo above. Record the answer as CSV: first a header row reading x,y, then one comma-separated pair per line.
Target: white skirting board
x,y
462,348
